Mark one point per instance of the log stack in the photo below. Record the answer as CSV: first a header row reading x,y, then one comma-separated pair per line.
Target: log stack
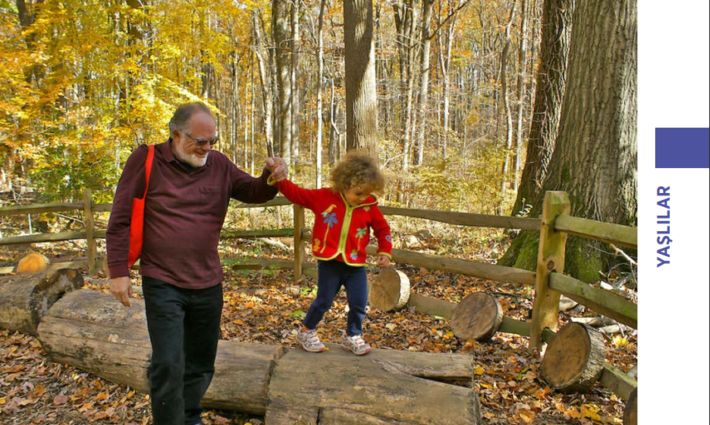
x,y
94,332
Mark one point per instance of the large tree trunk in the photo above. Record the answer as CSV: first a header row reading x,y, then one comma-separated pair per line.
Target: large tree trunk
x,y
93,332
549,90
360,78
594,159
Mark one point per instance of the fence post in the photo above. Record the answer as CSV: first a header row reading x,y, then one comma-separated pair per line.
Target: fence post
x,y
89,225
299,219
550,258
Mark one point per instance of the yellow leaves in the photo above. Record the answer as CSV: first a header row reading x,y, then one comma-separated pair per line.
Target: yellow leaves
x,y
620,341
101,396
527,416
478,370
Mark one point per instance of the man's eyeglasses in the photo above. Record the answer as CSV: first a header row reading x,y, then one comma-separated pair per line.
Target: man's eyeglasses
x,y
202,142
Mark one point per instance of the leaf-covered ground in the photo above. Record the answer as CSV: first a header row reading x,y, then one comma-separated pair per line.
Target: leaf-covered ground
x,y
266,306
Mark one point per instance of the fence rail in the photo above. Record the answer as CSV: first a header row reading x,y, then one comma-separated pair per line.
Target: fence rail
x,y
548,279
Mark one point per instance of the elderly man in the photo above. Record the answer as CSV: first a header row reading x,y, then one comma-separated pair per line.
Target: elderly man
x,y
188,194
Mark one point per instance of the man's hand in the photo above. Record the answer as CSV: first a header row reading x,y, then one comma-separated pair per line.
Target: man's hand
x,y
383,261
121,289
277,167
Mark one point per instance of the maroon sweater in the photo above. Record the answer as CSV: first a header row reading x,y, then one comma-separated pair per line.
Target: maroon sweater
x,y
184,213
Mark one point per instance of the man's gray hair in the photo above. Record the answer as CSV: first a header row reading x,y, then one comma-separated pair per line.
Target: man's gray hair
x,y
183,113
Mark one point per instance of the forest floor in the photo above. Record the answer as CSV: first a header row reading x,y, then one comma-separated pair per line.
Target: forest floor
x,y
266,306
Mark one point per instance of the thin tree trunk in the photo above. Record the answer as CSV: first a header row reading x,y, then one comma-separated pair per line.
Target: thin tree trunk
x,y
295,99
522,63
427,6
280,34
506,105
266,83
319,101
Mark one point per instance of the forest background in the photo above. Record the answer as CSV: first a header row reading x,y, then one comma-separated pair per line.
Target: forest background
x,y
457,94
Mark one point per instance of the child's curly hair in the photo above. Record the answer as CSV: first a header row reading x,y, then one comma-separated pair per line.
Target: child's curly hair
x,y
355,169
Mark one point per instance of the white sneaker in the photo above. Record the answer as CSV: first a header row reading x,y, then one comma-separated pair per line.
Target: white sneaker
x,y
357,345
309,341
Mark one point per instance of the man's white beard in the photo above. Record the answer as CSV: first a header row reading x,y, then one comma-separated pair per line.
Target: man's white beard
x,y
191,159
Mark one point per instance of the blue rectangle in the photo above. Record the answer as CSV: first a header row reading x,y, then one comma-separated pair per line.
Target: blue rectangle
x,y
682,148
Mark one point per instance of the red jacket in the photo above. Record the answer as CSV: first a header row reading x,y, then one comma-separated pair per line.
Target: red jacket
x,y
332,215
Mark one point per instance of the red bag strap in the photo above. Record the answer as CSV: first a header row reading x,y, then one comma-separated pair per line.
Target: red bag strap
x,y
148,167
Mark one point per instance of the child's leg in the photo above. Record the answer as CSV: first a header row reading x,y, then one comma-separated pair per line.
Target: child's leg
x,y
329,281
356,289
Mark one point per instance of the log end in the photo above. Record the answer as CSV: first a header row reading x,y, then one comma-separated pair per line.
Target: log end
x,y
478,316
389,290
573,360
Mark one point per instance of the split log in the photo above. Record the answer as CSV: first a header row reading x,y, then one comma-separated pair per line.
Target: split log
x,y
574,359
25,299
478,316
389,290
384,387
630,417
93,332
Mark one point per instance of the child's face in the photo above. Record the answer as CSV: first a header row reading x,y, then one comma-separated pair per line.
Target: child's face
x,y
356,195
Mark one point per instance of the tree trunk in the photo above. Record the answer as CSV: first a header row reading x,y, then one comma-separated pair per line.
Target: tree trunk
x,y
594,159
522,64
295,97
319,100
550,88
93,332
281,35
427,7
360,78
506,104
265,77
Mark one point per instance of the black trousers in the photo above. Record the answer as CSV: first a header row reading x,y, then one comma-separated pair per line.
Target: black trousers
x,y
184,330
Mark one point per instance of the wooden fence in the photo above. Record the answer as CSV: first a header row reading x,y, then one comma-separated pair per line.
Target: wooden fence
x,y
548,280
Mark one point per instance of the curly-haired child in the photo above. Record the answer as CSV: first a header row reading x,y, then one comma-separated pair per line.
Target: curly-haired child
x,y
344,215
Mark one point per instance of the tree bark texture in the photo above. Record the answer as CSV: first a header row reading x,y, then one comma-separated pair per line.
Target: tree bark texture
x,y
549,90
281,34
360,78
594,159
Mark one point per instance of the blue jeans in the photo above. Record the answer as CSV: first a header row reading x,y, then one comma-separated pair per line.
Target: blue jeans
x,y
184,330
332,275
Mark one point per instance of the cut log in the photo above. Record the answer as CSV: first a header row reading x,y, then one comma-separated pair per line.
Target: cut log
x,y
384,387
95,333
478,316
389,290
573,360
25,299
630,417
